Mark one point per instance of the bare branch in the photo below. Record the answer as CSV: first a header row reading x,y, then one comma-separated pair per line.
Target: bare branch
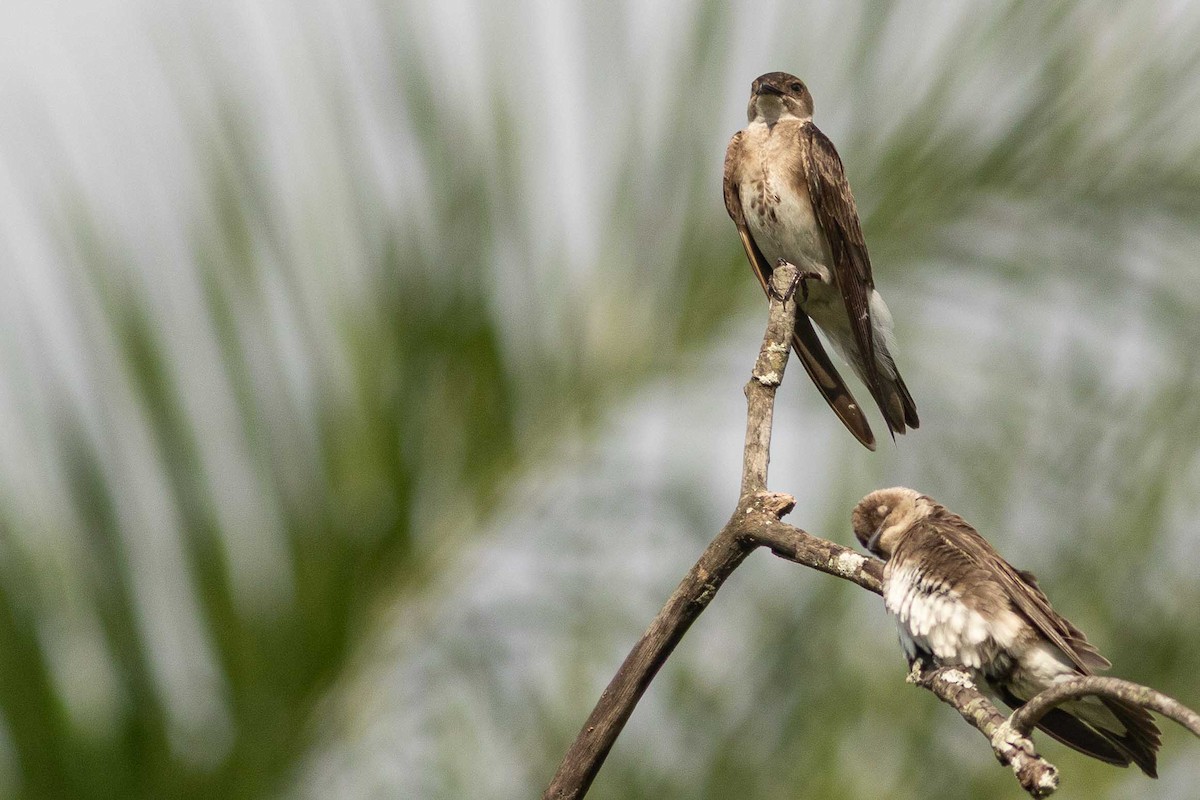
x,y
756,508
765,379
803,548
587,753
756,522
955,687
1026,717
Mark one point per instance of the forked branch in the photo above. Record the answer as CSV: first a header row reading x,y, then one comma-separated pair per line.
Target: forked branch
x,y
756,522
1009,736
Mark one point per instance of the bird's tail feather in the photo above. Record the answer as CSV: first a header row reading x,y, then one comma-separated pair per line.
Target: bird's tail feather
x,y
816,362
896,404
1141,739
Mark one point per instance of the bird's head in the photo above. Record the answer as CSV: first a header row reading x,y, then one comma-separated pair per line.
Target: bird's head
x,y
778,95
882,517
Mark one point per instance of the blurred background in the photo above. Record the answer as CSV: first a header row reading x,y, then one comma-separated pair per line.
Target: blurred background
x,y
370,372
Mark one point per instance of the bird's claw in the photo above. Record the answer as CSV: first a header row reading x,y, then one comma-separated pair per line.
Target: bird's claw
x,y
800,279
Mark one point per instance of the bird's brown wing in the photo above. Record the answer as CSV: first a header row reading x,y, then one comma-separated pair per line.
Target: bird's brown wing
x,y
1021,590
1141,738
837,215
804,339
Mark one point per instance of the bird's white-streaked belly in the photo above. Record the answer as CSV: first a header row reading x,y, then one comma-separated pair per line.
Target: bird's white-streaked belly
x,y
933,618
782,221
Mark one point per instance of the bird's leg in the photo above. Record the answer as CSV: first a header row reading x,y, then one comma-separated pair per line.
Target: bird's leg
x,y
803,276
919,665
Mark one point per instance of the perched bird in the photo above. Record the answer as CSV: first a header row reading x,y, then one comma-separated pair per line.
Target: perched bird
x,y
786,191
957,602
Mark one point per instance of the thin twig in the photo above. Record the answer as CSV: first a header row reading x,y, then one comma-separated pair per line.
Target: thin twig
x,y
793,544
1026,717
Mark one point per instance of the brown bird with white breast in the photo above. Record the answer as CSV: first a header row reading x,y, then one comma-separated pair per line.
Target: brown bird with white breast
x,y
786,190
957,602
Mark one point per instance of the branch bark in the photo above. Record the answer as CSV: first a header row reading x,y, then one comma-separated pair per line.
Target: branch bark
x,y
957,688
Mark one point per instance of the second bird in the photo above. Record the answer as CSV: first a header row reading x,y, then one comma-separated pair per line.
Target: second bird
x,y
786,191
958,603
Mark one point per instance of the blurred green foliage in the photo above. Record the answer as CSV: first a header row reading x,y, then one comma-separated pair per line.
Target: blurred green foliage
x,y
389,379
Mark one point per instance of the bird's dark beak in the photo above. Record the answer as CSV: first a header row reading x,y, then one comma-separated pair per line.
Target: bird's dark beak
x,y
874,540
767,88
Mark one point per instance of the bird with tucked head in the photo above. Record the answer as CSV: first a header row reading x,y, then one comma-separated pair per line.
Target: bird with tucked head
x,y
957,602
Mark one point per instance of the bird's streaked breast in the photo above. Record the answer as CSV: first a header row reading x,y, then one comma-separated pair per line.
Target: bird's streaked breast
x,y
935,618
778,210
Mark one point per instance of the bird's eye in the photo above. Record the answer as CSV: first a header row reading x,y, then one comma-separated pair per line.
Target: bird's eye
x,y
882,511
797,86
